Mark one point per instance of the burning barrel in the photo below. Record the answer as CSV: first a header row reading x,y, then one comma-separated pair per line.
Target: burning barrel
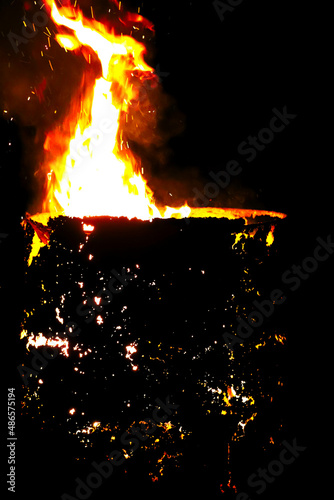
x,y
127,315
145,360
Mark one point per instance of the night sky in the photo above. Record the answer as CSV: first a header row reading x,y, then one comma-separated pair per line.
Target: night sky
x,y
221,81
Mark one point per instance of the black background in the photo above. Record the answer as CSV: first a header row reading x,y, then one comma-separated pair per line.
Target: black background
x,y
225,78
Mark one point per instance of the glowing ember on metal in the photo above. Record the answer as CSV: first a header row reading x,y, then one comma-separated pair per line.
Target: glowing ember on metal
x,y
40,340
87,228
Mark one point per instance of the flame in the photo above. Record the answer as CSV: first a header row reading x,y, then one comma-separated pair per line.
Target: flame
x,y
90,169
270,236
280,338
231,392
94,172
233,213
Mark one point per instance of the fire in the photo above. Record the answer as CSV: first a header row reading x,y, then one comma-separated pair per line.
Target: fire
x,y
93,172
233,213
270,236
231,392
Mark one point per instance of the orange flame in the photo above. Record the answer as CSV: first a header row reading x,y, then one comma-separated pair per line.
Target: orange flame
x,y
91,170
94,172
270,236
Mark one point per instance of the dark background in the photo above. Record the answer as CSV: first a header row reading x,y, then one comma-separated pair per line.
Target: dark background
x,y
224,79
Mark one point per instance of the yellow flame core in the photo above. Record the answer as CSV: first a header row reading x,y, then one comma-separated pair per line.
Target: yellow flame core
x,y
270,236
